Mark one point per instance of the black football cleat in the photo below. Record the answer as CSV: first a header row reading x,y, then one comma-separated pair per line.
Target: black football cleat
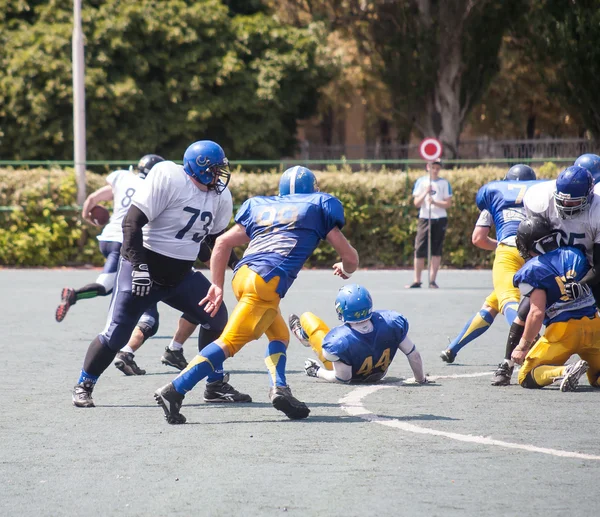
x,y
170,400
283,400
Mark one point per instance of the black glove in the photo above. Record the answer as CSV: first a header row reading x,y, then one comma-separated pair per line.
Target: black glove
x,y
311,368
574,290
141,283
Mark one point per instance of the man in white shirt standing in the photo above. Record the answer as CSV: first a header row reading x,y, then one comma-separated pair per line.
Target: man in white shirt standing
x,y
433,196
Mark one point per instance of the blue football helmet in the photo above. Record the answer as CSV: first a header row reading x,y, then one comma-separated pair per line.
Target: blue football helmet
x,y
298,180
520,172
574,191
146,163
353,304
205,161
591,162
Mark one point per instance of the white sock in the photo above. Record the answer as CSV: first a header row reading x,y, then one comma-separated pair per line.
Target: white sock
x,y
510,362
174,345
127,348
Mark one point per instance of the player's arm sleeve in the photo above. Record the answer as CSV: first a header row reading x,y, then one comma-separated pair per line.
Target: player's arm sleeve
x,y
334,215
414,358
244,217
155,193
133,239
592,277
481,198
417,187
484,219
341,372
112,178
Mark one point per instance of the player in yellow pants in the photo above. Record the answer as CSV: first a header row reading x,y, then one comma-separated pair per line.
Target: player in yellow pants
x,y
281,233
572,325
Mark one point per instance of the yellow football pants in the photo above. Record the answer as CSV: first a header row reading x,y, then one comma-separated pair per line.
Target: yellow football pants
x,y
316,329
256,313
506,263
560,341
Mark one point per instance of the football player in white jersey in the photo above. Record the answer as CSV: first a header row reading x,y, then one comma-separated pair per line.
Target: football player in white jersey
x,y
572,207
172,212
121,186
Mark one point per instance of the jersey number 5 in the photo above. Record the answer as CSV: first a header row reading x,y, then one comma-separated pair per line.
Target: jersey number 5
x,y
205,217
383,363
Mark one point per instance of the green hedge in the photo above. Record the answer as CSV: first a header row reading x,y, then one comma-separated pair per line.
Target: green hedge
x,y
43,227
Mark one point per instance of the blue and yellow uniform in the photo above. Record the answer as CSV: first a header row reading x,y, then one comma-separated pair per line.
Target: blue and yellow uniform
x,y
572,326
504,201
284,231
368,354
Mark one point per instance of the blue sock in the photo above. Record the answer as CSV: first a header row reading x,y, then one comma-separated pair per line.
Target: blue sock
x,y
217,375
476,326
275,359
510,312
204,364
87,377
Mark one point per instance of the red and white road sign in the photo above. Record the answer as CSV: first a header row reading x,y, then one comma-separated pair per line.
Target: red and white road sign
x,y
430,149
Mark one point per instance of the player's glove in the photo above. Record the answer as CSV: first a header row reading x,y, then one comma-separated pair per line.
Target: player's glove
x,y
574,290
141,283
311,368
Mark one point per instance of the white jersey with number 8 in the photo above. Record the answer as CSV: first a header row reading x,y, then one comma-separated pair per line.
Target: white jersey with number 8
x,y
582,231
124,185
180,215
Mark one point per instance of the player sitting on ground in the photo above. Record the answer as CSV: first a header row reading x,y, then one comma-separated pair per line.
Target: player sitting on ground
x,y
572,326
360,350
501,205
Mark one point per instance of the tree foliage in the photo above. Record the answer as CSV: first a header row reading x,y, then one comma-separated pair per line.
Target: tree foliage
x,y
159,75
563,37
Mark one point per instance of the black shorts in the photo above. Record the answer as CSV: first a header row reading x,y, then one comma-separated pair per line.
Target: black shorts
x,y
438,232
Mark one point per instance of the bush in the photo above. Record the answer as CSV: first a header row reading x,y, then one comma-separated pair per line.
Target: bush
x,y
45,228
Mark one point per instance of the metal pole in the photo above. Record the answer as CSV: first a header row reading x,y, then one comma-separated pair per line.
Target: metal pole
x,y
79,145
429,235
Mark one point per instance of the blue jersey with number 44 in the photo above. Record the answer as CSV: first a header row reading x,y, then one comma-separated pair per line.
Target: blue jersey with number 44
x,y
549,272
284,231
369,354
504,201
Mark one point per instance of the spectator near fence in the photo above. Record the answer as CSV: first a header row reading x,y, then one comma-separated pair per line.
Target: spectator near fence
x,y
433,196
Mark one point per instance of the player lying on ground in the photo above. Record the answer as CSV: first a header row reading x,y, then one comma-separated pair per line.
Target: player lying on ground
x,y
360,350
169,217
501,205
282,232
572,326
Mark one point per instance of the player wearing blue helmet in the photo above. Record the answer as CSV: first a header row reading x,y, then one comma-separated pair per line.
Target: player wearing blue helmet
x,y
501,205
205,161
572,326
171,213
591,162
363,347
281,232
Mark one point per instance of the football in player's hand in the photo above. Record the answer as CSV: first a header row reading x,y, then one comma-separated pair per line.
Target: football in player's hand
x,y
99,215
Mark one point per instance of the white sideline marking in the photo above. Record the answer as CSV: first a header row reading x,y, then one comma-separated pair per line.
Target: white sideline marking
x,y
353,405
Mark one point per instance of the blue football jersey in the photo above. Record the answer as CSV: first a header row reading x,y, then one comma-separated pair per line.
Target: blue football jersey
x,y
369,354
550,272
504,201
284,231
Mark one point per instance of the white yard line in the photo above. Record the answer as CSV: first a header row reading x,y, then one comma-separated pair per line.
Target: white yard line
x,y
353,405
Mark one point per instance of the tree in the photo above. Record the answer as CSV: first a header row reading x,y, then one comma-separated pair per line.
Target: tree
x,y
159,75
563,38
436,58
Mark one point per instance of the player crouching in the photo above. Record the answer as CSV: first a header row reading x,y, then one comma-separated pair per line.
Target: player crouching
x,y
360,350
572,325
